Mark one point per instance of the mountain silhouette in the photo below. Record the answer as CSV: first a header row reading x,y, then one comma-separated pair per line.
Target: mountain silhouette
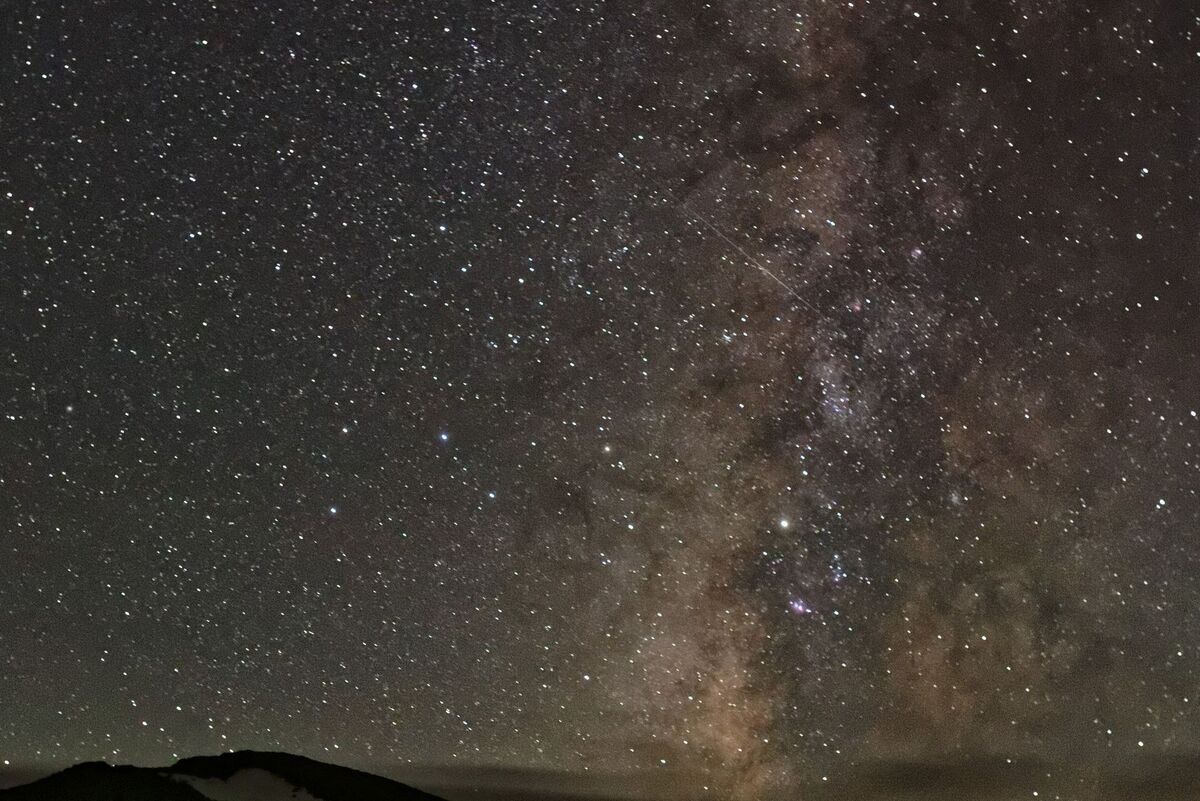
x,y
271,776
236,776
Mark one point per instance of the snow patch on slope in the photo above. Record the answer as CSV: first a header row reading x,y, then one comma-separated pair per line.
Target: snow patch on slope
x,y
250,784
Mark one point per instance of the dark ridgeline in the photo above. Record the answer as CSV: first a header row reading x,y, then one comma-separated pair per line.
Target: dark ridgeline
x,y
1173,778
98,781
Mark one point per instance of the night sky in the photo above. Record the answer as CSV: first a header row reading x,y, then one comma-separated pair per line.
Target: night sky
x,y
740,392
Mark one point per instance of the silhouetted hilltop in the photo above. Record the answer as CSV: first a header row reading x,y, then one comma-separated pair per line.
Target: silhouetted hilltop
x,y
242,775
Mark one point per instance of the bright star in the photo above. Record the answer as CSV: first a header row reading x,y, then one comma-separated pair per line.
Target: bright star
x,y
797,606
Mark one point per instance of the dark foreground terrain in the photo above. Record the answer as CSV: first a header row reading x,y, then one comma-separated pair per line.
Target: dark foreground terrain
x,y
269,776
240,776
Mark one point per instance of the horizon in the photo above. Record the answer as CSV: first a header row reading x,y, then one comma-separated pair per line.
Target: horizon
x,y
990,776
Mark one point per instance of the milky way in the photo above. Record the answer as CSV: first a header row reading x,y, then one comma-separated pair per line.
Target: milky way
x,y
736,392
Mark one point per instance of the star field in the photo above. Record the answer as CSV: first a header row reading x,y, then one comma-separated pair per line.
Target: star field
x,y
739,392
